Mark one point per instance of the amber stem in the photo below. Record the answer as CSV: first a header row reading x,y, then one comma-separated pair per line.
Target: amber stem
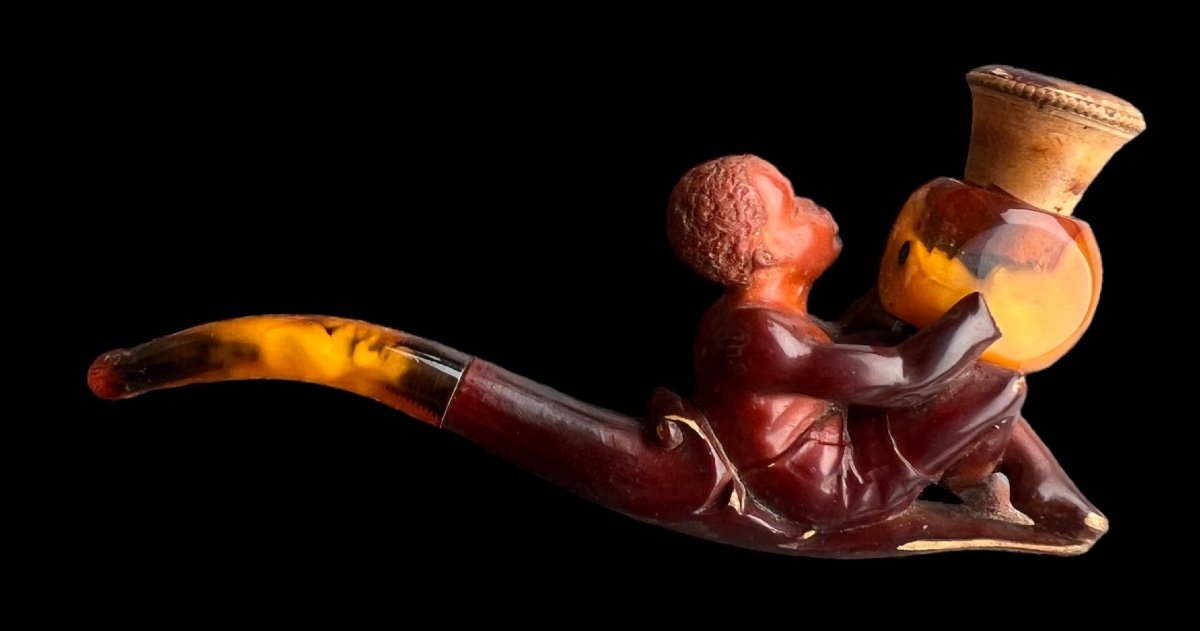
x,y
408,373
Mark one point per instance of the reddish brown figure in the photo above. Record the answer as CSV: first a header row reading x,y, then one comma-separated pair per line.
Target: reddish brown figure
x,y
833,434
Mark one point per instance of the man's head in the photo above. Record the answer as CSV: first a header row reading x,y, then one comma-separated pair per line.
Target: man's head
x,y
733,216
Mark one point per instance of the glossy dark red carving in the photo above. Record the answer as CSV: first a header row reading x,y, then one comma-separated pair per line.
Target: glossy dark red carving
x,y
801,439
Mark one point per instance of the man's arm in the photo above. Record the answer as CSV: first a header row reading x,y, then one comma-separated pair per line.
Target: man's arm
x,y
884,376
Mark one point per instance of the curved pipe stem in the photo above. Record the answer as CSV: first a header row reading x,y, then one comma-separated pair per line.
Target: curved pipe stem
x,y
658,471
666,468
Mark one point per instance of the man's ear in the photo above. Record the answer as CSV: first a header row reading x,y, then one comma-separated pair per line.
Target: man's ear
x,y
764,258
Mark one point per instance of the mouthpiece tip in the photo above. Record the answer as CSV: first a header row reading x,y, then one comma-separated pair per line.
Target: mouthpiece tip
x,y
103,377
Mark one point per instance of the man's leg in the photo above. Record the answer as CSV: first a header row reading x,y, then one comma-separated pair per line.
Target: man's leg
x,y
960,436
1035,485
890,455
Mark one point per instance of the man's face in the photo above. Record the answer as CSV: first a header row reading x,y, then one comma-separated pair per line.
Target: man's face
x,y
798,232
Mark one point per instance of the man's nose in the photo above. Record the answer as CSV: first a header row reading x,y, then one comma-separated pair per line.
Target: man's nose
x,y
824,212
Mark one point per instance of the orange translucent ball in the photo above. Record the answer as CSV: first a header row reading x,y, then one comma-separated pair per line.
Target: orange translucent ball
x,y
1040,272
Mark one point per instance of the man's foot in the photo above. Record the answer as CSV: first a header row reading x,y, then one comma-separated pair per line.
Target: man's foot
x,y
1062,510
1044,492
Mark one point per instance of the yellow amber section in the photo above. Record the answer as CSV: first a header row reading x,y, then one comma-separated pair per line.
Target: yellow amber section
x,y
1039,272
304,349
406,372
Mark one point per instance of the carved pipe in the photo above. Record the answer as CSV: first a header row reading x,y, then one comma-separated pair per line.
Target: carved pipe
x,y
816,444
666,469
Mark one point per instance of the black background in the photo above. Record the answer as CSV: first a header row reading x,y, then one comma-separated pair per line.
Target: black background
x,y
512,206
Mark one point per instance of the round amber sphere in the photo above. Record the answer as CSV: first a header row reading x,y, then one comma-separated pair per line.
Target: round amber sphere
x,y
1040,272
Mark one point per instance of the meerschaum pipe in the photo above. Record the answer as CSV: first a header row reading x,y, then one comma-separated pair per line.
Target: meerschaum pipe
x,y
799,439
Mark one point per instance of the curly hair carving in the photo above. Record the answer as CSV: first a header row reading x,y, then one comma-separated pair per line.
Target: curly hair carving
x,y
716,216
